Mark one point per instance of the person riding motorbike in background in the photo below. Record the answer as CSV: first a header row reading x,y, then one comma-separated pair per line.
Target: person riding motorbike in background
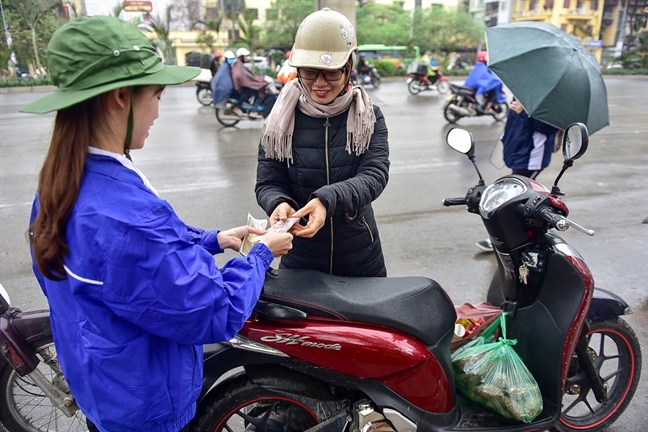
x,y
432,68
361,67
222,85
247,84
487,86
215,63
133,291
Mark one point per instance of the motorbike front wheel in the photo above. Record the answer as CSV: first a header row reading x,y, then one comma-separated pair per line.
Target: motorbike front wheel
x,y
239,404
204,96
616,355
226,116
443,87
24,406
449,114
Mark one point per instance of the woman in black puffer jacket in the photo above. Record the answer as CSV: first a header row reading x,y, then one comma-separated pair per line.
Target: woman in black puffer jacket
x,y
324,155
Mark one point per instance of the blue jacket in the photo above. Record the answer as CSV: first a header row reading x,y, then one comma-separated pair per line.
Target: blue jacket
x,y
142,295
528,143
483,80
222,84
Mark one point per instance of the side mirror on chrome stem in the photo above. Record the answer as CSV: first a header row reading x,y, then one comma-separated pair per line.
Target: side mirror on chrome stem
x,y
574,145
462,141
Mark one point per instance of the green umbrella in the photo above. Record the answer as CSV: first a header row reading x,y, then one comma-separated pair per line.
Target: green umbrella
x,y
550,72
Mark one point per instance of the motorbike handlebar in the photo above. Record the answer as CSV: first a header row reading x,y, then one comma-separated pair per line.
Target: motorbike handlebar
x,y
555,220
560,222
454,201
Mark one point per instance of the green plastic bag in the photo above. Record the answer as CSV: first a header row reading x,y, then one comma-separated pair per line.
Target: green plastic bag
x,y
493,375
487,336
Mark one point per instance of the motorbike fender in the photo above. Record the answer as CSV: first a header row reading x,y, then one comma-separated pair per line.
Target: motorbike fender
x,y
606,306
220,358
16,333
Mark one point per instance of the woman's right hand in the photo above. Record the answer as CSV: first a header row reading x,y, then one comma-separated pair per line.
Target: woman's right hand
x,y
278,243
281,213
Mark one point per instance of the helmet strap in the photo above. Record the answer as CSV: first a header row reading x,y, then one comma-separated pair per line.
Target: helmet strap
x,y
129,129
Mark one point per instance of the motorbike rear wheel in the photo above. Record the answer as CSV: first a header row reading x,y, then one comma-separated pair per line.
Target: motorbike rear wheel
x,y
204,96
241,404
24,406
375,81
226,116
414,86
616,355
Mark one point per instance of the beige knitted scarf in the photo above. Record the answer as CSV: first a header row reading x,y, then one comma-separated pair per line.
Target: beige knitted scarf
x,y
280,124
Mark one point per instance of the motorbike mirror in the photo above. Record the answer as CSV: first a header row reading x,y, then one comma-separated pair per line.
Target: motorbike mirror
x,y
461,140
574,145
575,141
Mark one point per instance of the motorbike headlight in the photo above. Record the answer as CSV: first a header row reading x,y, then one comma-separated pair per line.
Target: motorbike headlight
x,y
500,193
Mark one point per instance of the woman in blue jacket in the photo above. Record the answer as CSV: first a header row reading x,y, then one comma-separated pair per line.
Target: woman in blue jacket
x,y
133,291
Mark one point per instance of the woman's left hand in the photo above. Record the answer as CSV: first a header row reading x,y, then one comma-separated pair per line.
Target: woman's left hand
x,y
316,213
233,238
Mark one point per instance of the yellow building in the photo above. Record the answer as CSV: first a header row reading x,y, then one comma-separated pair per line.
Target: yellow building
x,y
580,18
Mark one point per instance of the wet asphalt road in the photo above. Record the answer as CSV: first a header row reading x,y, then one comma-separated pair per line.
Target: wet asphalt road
x,y
207,173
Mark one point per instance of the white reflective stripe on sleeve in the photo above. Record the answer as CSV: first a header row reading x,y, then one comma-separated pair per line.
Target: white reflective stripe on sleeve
x,y
537,154
81,279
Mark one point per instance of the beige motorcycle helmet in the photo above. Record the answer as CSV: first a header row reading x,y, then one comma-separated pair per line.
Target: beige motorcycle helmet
x,y
325,40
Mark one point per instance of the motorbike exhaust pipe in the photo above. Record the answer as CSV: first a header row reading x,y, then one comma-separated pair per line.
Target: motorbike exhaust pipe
x,y
459,110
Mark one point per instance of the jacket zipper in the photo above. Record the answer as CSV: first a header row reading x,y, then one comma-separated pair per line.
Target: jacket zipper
x,y
327,124
364,221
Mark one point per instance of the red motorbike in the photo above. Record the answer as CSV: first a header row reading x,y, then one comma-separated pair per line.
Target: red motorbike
x,y
329,353
418,81
325,353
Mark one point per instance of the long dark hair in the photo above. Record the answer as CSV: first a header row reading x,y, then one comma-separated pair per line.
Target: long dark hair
x,y
60,180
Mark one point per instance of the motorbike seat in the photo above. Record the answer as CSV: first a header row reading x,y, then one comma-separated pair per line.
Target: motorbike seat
x,y
416,305
463,90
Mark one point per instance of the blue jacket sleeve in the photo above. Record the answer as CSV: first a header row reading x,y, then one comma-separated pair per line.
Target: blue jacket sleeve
x,y
159,279
206,239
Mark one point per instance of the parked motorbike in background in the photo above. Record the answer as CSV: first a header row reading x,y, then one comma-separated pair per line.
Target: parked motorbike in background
x,y
225,110
368,75
203,87
418,81
330,354
462,103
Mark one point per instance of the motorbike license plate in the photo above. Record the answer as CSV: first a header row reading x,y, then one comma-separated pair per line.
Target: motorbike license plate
x,y
449,97
409,80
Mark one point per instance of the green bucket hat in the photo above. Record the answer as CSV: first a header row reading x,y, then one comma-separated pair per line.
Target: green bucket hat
x,y
93,55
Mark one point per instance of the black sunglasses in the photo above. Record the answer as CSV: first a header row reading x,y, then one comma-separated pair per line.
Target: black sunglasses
x,y
329,75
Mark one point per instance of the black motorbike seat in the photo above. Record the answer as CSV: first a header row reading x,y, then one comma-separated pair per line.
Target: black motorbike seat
x,y
415,305
463,90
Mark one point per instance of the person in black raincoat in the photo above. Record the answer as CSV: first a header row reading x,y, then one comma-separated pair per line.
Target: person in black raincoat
x,y
324,155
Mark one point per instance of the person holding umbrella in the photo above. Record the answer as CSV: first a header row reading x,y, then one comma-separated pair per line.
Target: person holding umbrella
x,y
528,145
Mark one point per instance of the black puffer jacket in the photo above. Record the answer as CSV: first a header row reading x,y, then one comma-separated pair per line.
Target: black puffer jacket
x,y
348,244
